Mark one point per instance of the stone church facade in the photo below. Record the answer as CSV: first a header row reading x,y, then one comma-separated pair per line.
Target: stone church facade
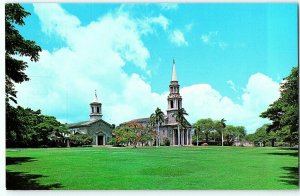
x,y
98,129
169,128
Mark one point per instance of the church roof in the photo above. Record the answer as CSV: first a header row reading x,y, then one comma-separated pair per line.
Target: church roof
x,y
77,124
146,120
86,123
138,120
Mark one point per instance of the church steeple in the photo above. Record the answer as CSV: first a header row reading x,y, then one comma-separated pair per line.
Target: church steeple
x,y
96,110
174,78
174,98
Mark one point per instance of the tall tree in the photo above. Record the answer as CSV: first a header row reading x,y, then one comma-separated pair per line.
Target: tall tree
x,y
206,126
220,125
150,127
181,121
284,112
158,115
136,129
197,132
261,134
15,44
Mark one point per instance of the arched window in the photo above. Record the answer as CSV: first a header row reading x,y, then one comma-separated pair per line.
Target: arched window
x,y
171,104
98,109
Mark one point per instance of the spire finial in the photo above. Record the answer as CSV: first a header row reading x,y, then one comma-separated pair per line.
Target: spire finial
x,y
174,78
96,98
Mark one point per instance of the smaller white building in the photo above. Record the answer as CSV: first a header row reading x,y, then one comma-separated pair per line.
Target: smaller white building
x,y
98,129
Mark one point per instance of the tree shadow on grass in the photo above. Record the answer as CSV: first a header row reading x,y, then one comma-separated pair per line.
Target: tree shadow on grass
x,y
294,154
25,181
18,160
292,177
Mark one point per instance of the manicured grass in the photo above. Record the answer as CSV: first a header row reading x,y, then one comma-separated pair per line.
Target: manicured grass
x,y
163,168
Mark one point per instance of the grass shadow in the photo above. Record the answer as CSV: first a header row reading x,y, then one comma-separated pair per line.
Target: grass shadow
x,y
18,160
292,177
25,181
294,154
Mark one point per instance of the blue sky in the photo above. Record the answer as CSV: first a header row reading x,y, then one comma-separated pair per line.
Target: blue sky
x,y
230,58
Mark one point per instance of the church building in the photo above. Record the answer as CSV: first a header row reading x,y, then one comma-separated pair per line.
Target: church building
x,y
98,129
169,128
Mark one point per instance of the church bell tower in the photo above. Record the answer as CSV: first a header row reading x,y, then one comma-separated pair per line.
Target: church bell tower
x,y
174,98
96,110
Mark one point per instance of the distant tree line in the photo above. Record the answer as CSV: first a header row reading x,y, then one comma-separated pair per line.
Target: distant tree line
x,y
216,132
28,128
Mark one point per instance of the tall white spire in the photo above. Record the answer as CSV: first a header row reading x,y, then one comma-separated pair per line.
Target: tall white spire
x,y
174,78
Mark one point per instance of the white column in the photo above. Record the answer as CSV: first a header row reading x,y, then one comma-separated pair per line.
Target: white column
x,y
182,138
187,141
173,141
191,139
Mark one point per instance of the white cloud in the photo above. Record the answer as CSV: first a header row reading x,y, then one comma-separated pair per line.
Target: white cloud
x,y
189,27
60,23
202,101
145,25
169,6
205,39
177,38
161,20
231,85
260,92
212,38
63,81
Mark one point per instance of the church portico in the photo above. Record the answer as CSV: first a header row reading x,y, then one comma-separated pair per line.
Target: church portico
x,y
184,137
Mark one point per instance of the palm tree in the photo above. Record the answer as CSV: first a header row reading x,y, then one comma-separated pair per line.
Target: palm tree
x,y
197,131
222,126
158,115
150,126
181,121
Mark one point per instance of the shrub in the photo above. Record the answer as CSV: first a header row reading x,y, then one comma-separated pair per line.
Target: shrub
x,y
166,141
80,140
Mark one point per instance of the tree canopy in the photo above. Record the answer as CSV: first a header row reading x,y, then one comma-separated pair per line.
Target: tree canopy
x,y
205,126
29,128
15,44
284,112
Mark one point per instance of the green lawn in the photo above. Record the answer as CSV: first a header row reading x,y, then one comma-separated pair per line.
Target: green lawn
x,y
161,168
